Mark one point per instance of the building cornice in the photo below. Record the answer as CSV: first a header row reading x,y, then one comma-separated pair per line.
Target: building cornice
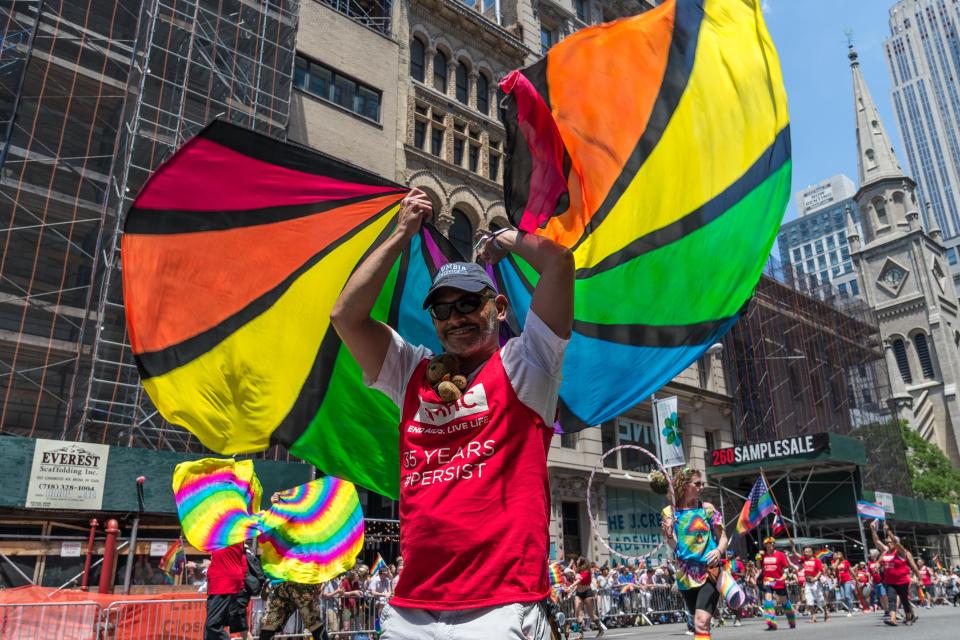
x,y
477,19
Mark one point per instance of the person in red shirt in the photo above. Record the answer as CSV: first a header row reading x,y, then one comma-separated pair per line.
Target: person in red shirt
x,y
897,563
926,581
474,486
844,580
225,576
812,571
878,591
773,564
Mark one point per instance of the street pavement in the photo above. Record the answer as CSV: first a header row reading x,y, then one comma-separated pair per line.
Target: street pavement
x,y
942,622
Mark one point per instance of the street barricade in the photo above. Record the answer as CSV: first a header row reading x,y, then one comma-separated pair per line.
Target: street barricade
x,y
49,621
173,619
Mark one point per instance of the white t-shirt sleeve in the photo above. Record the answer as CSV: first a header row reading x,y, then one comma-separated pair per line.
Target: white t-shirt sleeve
x,y
399,364
533,362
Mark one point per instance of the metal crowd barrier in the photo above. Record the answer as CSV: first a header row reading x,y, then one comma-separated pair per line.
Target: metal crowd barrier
x,y
173,619
49,621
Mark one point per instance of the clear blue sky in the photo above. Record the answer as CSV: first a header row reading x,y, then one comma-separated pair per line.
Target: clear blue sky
x,y
809,36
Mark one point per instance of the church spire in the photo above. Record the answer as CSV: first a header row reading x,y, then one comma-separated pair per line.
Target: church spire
x,y
875,157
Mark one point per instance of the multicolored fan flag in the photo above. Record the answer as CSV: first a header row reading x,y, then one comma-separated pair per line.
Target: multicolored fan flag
x,y
173,561
759,505
216,499
657,148
233,256
310,534
378,565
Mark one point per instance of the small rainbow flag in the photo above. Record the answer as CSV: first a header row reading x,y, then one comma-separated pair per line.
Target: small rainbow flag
x,y
759,504
378,565
824,554
555,573
172,561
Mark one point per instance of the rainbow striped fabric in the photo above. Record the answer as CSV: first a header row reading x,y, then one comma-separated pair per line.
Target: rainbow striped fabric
x,y
555,573
657,148
234,253
824,554
216,499
313,532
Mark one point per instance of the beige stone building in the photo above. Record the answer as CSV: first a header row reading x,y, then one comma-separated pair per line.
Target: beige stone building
x,y
409,90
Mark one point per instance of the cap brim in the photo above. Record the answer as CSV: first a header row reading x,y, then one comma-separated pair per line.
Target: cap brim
x,y
469,287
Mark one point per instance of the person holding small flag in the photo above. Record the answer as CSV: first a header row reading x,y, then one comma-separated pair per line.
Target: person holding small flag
x,y
897,563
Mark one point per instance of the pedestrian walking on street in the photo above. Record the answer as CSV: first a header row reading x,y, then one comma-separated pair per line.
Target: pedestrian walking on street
x,y
483,455
897,563
586,597
812,587
694,530
773,566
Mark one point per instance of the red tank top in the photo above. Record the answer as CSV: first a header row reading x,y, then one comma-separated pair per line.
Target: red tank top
x,y
895,569
812,568
925,576
474,496
874,568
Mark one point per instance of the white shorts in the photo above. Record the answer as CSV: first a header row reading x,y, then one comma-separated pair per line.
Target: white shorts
x,y
513,621
813,592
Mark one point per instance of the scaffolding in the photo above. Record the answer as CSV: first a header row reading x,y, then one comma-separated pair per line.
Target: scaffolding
x,y
94,95
804,360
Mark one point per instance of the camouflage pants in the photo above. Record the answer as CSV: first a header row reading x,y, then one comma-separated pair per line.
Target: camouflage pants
x,y
288,597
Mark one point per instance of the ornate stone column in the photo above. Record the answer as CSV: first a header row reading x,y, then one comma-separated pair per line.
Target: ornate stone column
x,y
472,88
451,77
428,66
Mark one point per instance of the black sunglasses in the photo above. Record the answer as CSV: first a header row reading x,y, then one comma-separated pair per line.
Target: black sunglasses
x,y
465,305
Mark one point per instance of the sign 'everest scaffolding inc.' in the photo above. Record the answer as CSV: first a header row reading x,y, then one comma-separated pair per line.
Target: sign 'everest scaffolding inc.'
x,y
797,446
67,475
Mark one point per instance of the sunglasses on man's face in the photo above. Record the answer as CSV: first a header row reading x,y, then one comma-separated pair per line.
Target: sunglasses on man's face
x,y
465,305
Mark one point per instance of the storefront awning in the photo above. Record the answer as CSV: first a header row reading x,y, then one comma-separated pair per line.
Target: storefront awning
x,y
825,450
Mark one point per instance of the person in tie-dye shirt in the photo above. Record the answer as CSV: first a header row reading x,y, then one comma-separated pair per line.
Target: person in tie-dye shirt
x,y
694,530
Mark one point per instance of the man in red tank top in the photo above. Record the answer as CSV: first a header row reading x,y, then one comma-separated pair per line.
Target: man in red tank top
x,y
474,487
228,568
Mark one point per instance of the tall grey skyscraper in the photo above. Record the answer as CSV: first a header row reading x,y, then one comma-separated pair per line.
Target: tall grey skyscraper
x,y
923,58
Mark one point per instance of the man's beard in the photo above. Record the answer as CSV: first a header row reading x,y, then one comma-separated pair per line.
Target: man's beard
x,y
482,337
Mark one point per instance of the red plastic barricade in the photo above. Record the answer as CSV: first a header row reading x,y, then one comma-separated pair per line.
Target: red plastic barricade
x,y
40,613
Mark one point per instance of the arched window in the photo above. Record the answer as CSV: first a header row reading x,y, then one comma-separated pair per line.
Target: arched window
x,y
903,364
440,71
483,94
463,83
418,59
871,159
881,209
923,354
461,233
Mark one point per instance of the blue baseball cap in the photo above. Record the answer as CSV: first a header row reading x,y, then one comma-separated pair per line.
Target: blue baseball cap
x,y
466,276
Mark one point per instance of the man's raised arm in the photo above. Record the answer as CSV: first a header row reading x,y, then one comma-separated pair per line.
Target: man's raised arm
x,y
553,297
368,339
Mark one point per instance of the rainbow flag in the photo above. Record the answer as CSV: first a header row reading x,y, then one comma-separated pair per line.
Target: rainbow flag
x,y
824,554
759,504
378,565
555,574
172,561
